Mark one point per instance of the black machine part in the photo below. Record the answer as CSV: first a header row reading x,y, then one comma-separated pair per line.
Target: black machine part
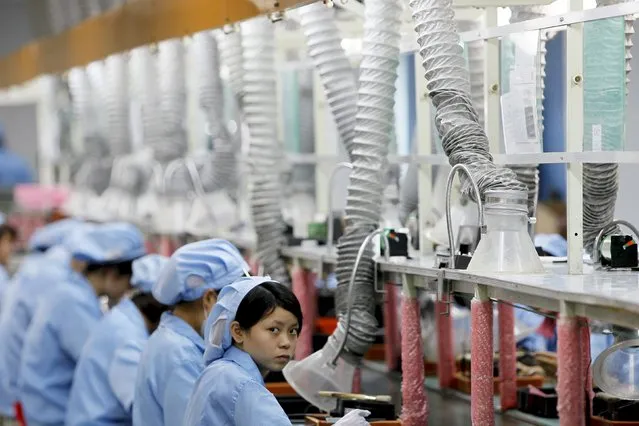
x,y
380,410
623,252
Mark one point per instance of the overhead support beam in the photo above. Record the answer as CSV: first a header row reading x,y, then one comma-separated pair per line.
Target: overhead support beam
x,y
125,27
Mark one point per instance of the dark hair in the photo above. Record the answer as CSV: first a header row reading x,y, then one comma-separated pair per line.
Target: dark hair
x,y
8,230
150,308
263,300
121,268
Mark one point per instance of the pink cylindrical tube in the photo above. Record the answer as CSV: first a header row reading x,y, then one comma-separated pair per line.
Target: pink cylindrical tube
x,y
165,246
586,364
305,341
357,380
570,381
390,326
507,357
255,266
482,406
415,402
445,352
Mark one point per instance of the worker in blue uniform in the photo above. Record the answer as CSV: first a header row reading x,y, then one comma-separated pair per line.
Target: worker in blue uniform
x,y
46,264
104,380
13,168
172,359
101,265
8,238
252,331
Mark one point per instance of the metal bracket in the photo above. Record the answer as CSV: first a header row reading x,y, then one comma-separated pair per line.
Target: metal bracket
x,y
378,290
443,289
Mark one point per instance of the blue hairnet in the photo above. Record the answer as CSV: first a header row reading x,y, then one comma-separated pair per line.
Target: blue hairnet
x,y
553,244
146,271
108,243
218,324
197,267
3,218
52,234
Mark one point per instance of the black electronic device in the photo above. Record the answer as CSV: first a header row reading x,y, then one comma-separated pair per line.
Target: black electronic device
x,y
397,242
380,408
623,252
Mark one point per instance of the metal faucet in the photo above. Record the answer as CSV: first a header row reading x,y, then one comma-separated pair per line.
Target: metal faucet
x,y
351,284
480,208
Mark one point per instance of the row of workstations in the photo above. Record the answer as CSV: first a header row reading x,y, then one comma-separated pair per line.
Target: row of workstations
x,y
611,297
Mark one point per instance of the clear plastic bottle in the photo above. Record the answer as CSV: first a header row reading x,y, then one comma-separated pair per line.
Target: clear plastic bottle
x,y
506,246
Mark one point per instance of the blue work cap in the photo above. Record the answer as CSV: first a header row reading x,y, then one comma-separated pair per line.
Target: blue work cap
x,y
197,267
553,244
52,234
146,271
108,243
218,324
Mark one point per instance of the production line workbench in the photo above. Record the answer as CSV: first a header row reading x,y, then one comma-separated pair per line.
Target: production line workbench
x,y
603,295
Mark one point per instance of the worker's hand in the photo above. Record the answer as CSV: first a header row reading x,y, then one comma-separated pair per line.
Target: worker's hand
x,y
354,418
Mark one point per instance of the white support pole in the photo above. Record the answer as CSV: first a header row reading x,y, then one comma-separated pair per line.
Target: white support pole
x,y
492,89
424,139
574,139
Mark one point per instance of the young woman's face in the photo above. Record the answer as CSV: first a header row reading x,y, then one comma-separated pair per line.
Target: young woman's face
x,y
272,341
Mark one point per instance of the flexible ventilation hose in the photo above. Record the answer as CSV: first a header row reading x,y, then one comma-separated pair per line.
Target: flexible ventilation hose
x,y
231,56
260,109
601,181
221,172
93,174
475,53
117,104
335,71
373,129
173,145
463,139
529,174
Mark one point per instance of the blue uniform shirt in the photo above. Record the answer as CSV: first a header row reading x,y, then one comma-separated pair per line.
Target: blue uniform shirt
x,y
231,392
16,311
170,365
104,380
52,347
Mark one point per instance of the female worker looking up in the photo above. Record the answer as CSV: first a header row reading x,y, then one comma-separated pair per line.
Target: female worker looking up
x,y
47,265
101,263
252,331
172,359
104,380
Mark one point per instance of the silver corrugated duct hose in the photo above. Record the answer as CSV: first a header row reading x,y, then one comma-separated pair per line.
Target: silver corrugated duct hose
x,y
529,174
601,181
221,172
231,56
260,109
463,139
335,71
172,144
94,174
475,54
117,104
373,129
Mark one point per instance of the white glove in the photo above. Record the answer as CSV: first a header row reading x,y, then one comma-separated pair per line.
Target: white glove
x,y
354,418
